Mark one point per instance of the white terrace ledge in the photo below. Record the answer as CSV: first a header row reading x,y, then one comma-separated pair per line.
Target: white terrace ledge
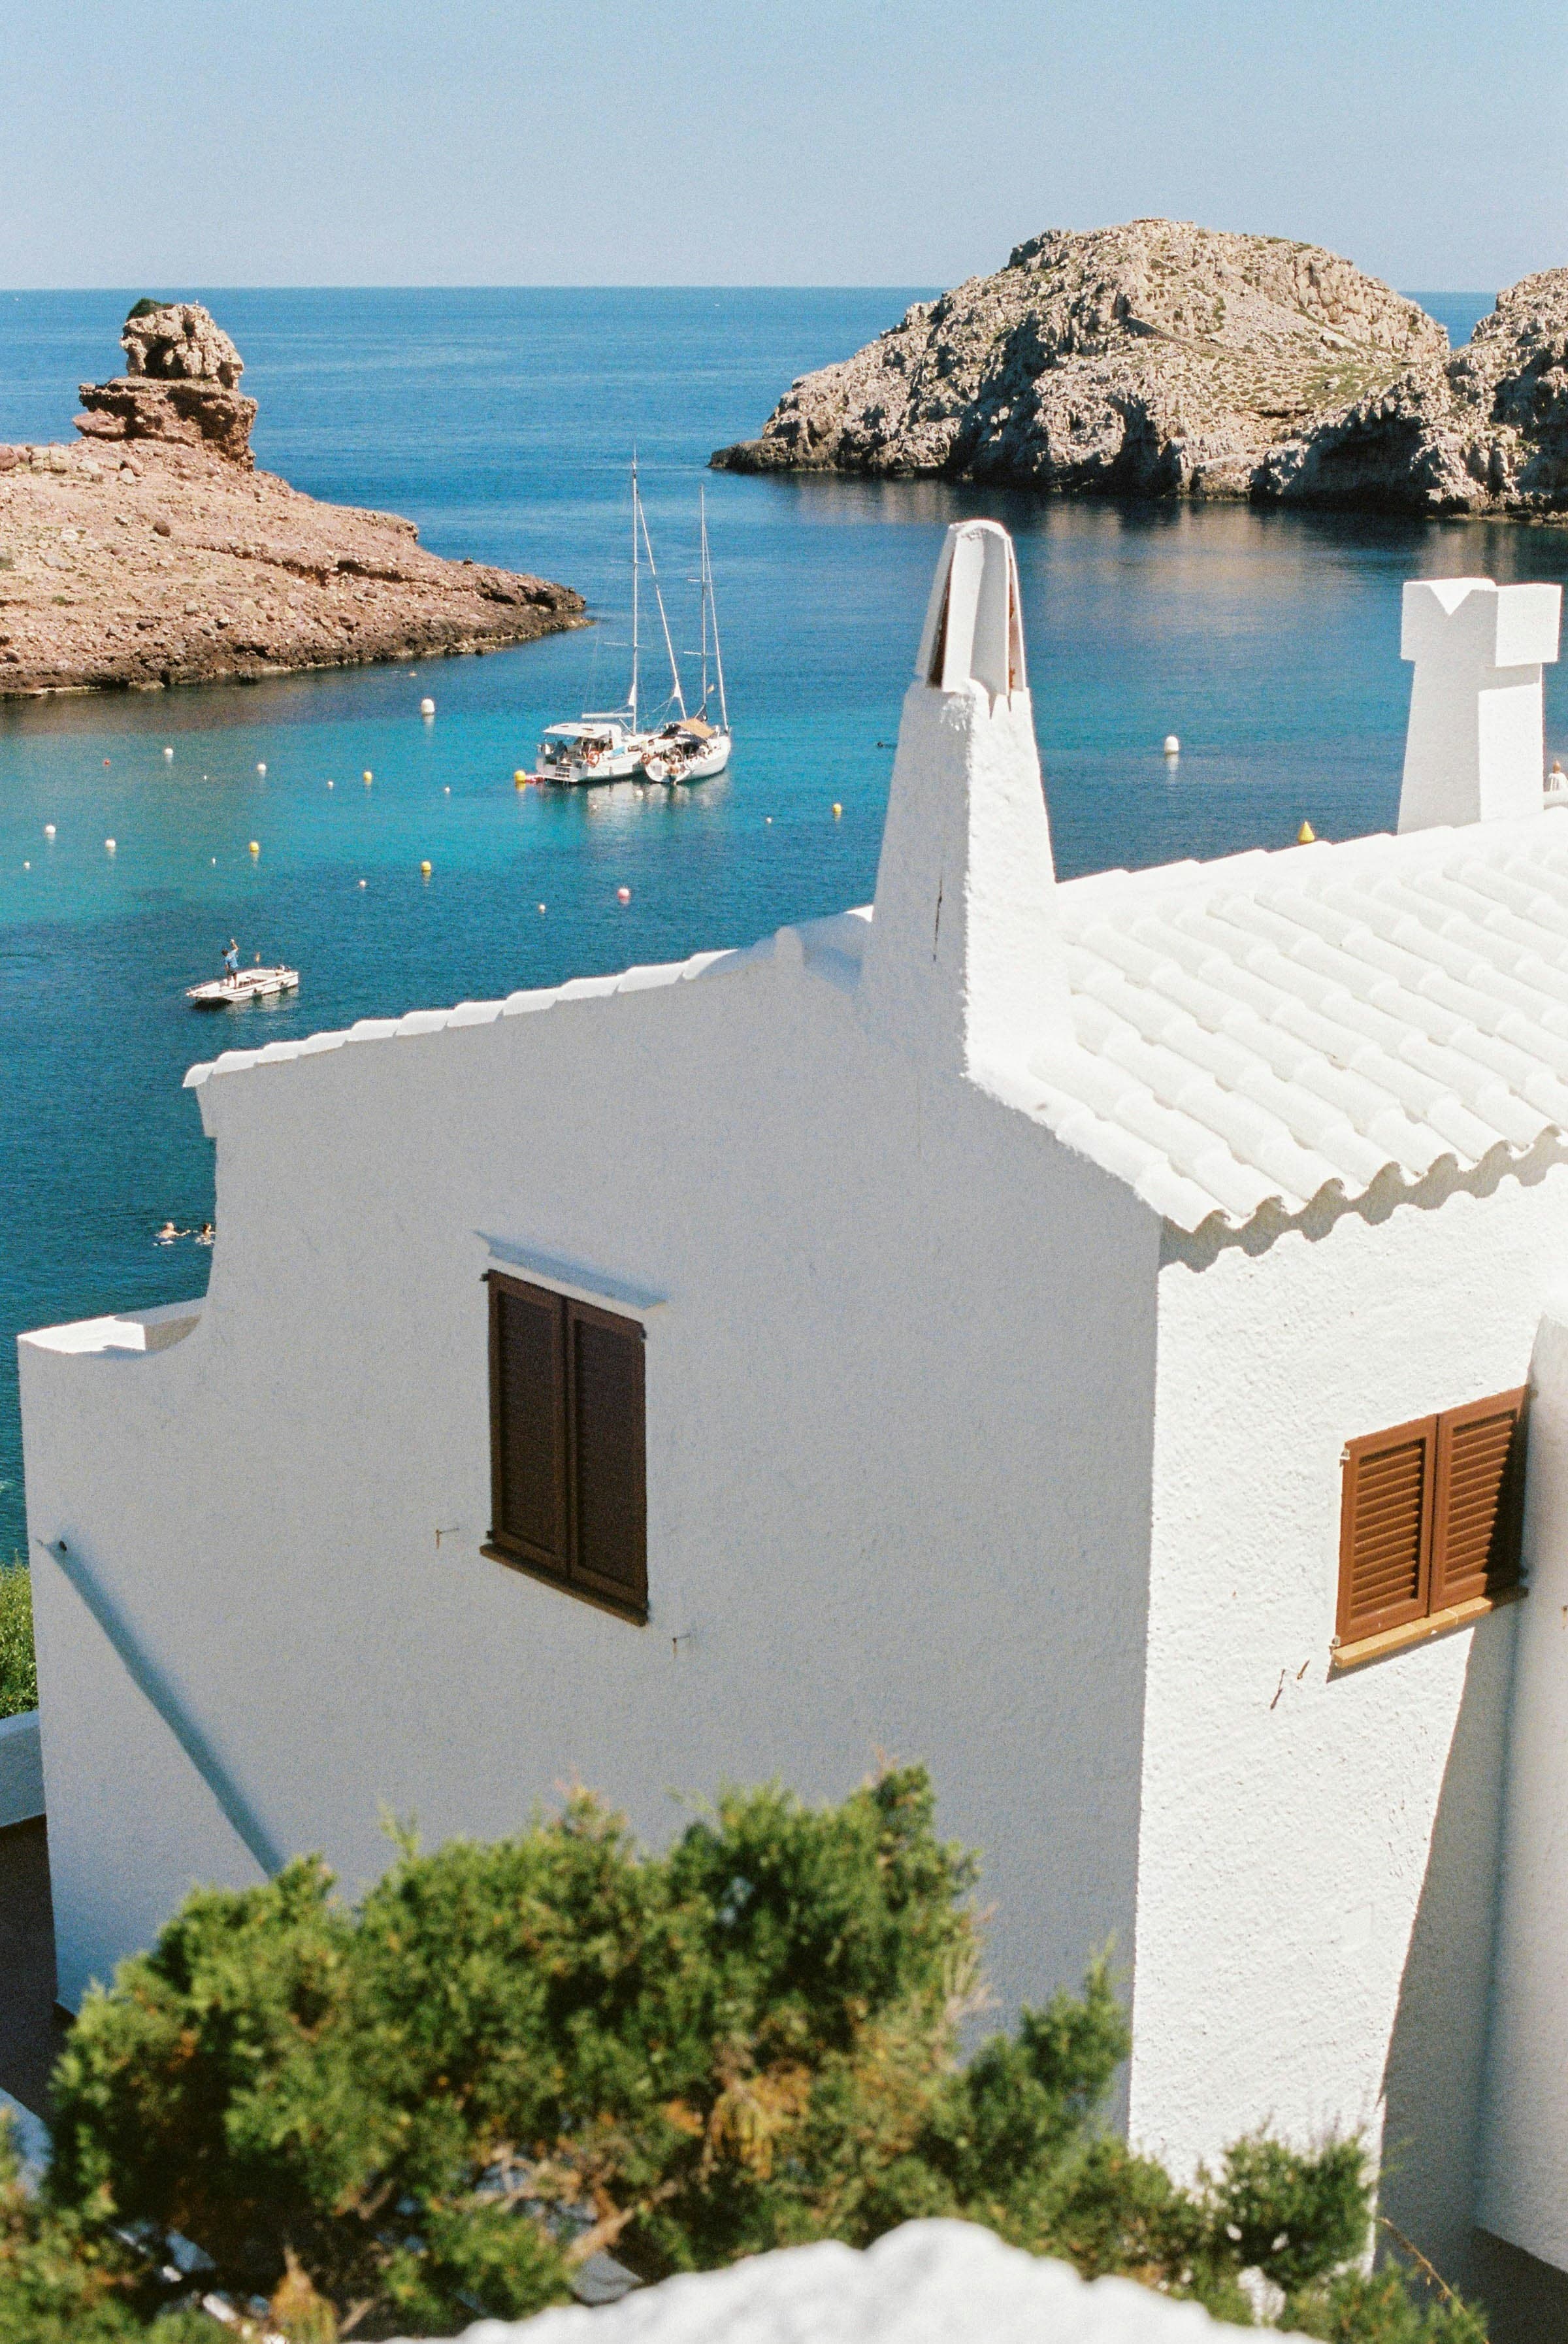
x,y
130,1334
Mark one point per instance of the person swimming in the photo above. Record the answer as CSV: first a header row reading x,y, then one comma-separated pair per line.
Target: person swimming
x,y
205,1234
168,1233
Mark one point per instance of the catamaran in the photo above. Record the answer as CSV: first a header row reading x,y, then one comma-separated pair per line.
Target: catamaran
x,y
693,748
611,746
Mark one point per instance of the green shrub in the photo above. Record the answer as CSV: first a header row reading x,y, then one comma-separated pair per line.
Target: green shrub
x,y
18,1665
433,2105
146,307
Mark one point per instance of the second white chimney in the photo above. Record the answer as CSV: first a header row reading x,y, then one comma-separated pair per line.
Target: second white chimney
x,y
1475,747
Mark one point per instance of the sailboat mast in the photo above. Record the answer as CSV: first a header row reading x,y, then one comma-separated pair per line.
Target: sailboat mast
x,y
710,610
635,508
676,692
702,585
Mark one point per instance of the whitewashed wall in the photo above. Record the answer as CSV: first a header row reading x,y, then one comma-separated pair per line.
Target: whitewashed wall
x,y
899,1410
1317,1868
1524,2162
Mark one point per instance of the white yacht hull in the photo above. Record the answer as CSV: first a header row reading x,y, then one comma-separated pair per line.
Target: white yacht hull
x,y
250,985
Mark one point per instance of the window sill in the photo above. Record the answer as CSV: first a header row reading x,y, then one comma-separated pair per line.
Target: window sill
x,y
635,1613
1345,1657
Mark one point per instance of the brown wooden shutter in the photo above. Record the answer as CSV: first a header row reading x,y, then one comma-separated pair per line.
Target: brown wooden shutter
x,y
1478,1510
1385,1529
609,1465
528,1422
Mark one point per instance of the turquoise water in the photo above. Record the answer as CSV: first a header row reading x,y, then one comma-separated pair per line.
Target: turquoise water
x,y
502,421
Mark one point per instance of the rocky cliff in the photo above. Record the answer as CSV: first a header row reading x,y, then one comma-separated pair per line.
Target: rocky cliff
x,y
1160,358
179,385
152,552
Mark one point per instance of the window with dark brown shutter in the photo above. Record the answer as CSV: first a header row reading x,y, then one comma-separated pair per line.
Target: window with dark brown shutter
x,y
567,1457
1431,1520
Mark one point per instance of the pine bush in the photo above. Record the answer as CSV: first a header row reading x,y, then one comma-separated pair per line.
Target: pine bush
x,y
433,2106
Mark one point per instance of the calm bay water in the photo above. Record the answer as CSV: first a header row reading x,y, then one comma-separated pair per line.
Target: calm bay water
x,y
502,422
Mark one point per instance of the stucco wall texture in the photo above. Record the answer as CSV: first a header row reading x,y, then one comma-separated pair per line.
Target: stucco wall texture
x,y
880,1519
1318,1862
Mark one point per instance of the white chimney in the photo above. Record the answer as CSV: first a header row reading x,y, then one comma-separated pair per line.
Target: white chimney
x,y
963,963
1475,748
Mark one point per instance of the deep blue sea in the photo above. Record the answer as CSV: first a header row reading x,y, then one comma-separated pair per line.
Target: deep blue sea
x,y
502,422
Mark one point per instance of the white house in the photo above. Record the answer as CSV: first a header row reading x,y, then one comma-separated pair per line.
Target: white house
x,y
1077,1334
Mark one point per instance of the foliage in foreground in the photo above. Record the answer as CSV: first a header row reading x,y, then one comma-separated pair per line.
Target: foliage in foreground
x,y
18,1667
397,2118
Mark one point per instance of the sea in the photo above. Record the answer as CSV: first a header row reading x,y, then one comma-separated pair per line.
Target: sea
x,y
504,422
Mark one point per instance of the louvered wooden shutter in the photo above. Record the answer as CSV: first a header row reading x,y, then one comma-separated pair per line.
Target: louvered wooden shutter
x,y
609,1465
1385,1529
1478,1508
528,1422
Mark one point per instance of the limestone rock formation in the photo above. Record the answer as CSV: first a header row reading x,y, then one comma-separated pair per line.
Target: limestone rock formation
x,y
1159,358
179,385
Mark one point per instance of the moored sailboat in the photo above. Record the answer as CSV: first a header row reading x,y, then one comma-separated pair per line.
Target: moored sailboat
x,y
611,746
693,748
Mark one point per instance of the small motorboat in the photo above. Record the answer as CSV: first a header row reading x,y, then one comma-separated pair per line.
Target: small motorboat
x,y
256,984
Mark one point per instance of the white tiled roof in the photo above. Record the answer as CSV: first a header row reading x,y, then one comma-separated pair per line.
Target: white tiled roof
x,y
1273,1027
1259,1031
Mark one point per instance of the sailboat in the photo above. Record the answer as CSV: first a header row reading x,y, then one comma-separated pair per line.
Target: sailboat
x,y
611,746
693,748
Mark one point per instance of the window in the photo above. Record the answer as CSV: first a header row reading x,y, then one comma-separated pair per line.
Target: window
x,y
568,1471
1431,1519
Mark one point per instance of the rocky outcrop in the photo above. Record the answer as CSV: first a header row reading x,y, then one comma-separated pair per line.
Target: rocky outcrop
x,y
1484,432
179,385
1160,358
167,559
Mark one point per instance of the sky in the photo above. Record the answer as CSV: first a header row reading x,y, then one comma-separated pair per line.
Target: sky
x,y
330,142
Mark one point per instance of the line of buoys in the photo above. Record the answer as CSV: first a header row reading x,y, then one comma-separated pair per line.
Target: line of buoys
x,y
1306,835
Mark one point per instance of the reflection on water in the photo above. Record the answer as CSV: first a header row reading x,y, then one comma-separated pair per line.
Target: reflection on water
x,y
502,422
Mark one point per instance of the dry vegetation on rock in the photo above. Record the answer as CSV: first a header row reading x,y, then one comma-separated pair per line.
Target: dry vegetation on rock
x,y
1159,358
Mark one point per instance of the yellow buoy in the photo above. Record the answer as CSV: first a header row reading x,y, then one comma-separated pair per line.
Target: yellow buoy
x,y
520,778
368,775
256,846
425,870
1306,835
837,809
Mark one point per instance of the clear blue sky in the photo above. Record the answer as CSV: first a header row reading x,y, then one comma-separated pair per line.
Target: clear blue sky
x,y
174,142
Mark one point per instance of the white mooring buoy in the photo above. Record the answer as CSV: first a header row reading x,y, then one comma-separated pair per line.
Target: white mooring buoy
x,y
169,755
426,708
1173,747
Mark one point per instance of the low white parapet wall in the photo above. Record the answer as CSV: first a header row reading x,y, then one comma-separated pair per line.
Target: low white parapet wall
x,y
21,1769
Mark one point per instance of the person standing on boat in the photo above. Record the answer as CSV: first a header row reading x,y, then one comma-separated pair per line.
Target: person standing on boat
x,y
231,959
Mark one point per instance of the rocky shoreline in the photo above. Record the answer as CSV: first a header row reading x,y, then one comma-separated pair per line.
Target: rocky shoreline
x,y
1163,360
151,553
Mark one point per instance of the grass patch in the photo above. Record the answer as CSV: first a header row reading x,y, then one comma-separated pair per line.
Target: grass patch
x,y
18,1666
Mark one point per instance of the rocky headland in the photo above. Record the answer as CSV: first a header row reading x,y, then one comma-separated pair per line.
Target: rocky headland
x,y
151,552
1161,359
